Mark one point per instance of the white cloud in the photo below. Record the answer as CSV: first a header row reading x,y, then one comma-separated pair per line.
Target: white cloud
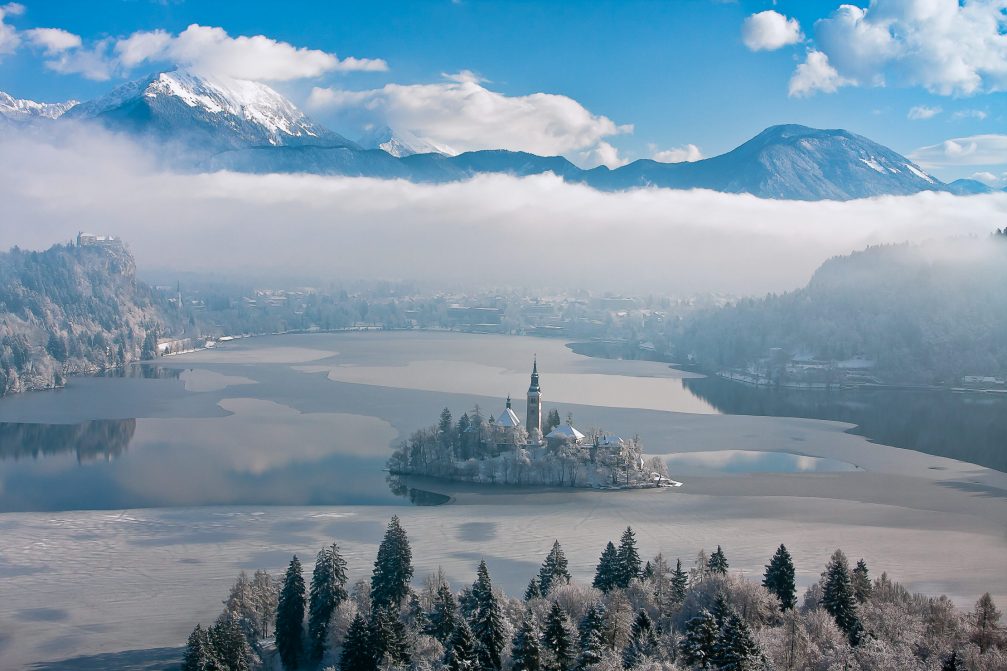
x,y
602,153
972,150
816,74
93,63
989,178
968,114
923,112
9,38
53,40
683,154
463,114
770,30
211,50
947,47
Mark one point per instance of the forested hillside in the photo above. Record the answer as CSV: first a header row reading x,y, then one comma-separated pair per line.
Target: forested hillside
x,y
930,313
71,310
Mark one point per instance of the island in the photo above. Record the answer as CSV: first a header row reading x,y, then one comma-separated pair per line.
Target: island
x,y
502,450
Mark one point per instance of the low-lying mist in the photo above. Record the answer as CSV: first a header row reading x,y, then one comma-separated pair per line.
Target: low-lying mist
x,y
492,230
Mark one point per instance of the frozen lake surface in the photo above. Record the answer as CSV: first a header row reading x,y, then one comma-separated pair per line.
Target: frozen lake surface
x,y
131,503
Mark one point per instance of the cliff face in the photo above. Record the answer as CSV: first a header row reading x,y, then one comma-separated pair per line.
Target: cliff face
x,y
72,310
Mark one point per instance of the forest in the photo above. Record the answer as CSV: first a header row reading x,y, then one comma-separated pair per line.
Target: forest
x,y
653,616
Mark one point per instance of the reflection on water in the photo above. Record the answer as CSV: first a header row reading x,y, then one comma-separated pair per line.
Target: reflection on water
x,y
101,439
967,427
144,370
750,461
418,497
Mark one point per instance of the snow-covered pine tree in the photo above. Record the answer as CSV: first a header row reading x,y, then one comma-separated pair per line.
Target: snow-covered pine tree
x,y
679,583
556,638
389,642
735,649
230,645
642,641
289,629
533,591
356,654
718,562
779,578
554,569
487,621
441,621
393,568
525,652
606,575
460,653
648,571
985,623
720,609
838,597
862,587
199,653
591,636
328,590
696,648
628,558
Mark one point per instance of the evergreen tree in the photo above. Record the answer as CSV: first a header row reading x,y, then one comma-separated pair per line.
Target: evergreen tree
x,y
606,577
642,641
952,662
230,645
290,617
628,558
328,590
838,597
441,621
554,569
697,645
861,582
533,591
718,562
591,636
779,578
356,654
525,653
679,583
985,622
557,639
487,622
720,609
388,637
460,654
648,571
199,653
393,568
735,649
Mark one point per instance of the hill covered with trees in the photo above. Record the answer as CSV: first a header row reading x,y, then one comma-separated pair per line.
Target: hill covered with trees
x,y
72,310
933,313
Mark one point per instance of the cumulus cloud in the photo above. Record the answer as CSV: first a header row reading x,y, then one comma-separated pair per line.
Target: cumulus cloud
x,y
973,150
212,51
947,47
9,38
326,228
988,178
461,113
923,112
770,30
604,154
683,154
53,40
816,74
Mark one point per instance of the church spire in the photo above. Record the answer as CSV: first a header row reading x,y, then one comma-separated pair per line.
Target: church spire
x,y
534,416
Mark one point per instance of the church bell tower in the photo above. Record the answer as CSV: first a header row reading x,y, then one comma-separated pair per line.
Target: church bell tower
x,y
534,419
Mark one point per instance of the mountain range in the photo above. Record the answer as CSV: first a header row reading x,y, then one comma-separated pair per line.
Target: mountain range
x,y
226,124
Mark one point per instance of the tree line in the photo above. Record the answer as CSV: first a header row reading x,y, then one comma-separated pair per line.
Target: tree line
x,y
635,615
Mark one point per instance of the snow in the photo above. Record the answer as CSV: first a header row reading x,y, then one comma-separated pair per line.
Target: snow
x,y
14,108
402,143
919,173
872,163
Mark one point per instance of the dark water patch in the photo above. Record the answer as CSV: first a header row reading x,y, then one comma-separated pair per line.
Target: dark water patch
x,y
151,659
43,615
477,532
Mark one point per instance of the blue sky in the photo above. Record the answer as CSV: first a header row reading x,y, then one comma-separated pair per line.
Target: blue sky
x,y
679,73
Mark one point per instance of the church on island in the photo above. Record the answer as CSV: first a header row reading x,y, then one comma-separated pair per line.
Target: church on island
x,y
543,450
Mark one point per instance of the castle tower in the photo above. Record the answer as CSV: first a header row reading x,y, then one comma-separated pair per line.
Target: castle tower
x,y
534,420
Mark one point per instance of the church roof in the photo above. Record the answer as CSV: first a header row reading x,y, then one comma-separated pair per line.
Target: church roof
x,y
508,419
565,432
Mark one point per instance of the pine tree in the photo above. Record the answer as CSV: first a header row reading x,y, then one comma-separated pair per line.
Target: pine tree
x,y
720,609
328,590
442,616
628,559
642,641
697,645
838,597
388,637
230,645
606,576
735,649
487,622
679,583
393,568
861,582
779,578
554,569
290,617
591,636
356,654
648,571
533,591
557,639
199,653
460,654
525,652
718,562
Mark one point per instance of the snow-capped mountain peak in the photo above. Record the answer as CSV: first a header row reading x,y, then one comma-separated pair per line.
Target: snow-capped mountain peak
x,y
16,109
402,143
